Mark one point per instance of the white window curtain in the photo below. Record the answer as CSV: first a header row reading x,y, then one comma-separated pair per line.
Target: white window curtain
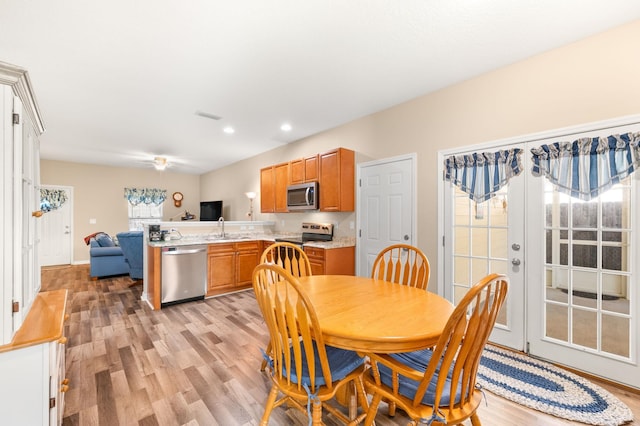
x,y
482,174
587,167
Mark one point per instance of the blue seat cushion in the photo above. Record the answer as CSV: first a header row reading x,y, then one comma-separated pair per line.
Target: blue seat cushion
x,y
341,363
105,240
418,360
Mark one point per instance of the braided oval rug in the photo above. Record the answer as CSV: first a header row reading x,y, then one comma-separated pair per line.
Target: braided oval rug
x,y
547,388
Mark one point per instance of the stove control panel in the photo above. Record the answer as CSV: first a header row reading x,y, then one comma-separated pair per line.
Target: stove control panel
x,y
317,228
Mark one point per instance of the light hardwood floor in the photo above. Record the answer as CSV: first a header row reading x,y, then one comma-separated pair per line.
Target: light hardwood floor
x,y
190,364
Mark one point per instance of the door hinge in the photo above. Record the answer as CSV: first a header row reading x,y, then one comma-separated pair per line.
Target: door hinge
x,y
443,241
16,118
360,233
52,403
528,351
360,183
15,307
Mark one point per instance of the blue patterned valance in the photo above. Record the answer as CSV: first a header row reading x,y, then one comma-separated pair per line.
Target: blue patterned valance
x,y
482,174
51,199
136,196
587,167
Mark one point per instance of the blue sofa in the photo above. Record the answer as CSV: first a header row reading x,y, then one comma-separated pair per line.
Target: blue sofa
x,y
131,245
105,258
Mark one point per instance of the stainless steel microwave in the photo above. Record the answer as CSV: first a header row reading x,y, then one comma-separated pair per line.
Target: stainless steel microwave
x,y
303,196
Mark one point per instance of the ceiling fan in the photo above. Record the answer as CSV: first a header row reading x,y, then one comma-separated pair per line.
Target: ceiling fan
x,y
160,163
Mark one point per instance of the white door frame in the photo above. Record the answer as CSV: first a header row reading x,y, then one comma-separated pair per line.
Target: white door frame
x,y
414,192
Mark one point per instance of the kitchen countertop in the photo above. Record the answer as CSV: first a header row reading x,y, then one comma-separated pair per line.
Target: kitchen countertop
x,y
188,240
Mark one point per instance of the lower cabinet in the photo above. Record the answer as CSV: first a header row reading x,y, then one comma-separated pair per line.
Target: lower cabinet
x,y
230,266
333,261
32,366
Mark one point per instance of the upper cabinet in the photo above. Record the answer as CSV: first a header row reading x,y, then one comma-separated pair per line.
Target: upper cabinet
x,y
267,190
273,188
304,170
337,180
333,170
20,127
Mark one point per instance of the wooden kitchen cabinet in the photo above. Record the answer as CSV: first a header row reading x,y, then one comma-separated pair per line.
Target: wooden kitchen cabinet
x,y
280,188
267,190
337,180
230,266
304,170
273,188
248,257
334,261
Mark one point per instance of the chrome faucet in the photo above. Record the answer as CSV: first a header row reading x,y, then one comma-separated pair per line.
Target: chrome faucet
x,y
221,221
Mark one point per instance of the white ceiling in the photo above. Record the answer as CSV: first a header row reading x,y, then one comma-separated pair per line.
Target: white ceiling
x,y
119,81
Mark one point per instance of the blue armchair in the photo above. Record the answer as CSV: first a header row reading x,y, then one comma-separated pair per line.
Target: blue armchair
x,y
131,244
105,258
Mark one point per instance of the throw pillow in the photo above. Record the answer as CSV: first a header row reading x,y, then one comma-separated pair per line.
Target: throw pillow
x,y
105,240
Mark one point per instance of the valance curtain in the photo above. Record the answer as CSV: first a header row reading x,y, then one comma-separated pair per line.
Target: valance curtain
x,y
482,174
587,167
52,199
136,196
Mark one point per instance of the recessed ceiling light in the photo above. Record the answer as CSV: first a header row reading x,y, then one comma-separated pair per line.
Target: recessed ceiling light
x,y
229,130
286,127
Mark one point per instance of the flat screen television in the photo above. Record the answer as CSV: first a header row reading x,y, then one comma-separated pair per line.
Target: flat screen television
x,y
210,210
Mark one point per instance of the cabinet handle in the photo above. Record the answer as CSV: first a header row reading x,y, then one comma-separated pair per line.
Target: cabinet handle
x,y
66,317
64,388
37,213
65,381
63,340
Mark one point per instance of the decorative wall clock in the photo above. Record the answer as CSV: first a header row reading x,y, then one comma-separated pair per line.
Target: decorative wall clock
x,y
177,199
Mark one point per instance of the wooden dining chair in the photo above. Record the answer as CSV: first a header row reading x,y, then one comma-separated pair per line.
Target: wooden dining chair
x,y
438,385
402,264
291,258
304,370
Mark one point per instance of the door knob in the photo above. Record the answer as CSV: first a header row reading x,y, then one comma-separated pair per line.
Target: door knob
x,y
515,262
406,238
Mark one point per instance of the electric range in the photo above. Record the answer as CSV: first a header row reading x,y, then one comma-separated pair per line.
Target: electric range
x,y
311,232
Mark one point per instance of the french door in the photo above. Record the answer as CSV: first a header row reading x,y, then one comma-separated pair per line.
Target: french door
x,y
484,238
573,265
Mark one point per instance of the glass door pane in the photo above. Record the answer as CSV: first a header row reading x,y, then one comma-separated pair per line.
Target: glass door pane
x,y
587,255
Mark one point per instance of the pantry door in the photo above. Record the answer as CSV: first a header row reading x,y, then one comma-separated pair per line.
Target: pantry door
x,y
484,238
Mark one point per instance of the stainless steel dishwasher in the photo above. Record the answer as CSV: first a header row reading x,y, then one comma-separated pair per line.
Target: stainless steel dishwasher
x,y
184,274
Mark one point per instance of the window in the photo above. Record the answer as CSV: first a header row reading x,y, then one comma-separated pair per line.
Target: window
x,y
143,213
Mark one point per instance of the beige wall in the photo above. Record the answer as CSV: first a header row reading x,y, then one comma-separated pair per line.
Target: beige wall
x,y
98,193
593,79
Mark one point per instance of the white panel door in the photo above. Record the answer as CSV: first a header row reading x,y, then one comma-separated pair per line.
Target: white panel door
x,y
386,195
55,232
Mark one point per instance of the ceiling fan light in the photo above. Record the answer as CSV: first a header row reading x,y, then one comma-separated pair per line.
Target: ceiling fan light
x,y
160,163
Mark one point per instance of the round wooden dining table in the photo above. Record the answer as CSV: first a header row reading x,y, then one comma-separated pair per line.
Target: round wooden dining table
x,y
368,315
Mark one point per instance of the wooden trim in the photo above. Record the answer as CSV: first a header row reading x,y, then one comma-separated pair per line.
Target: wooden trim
x,y
18,79
44,323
